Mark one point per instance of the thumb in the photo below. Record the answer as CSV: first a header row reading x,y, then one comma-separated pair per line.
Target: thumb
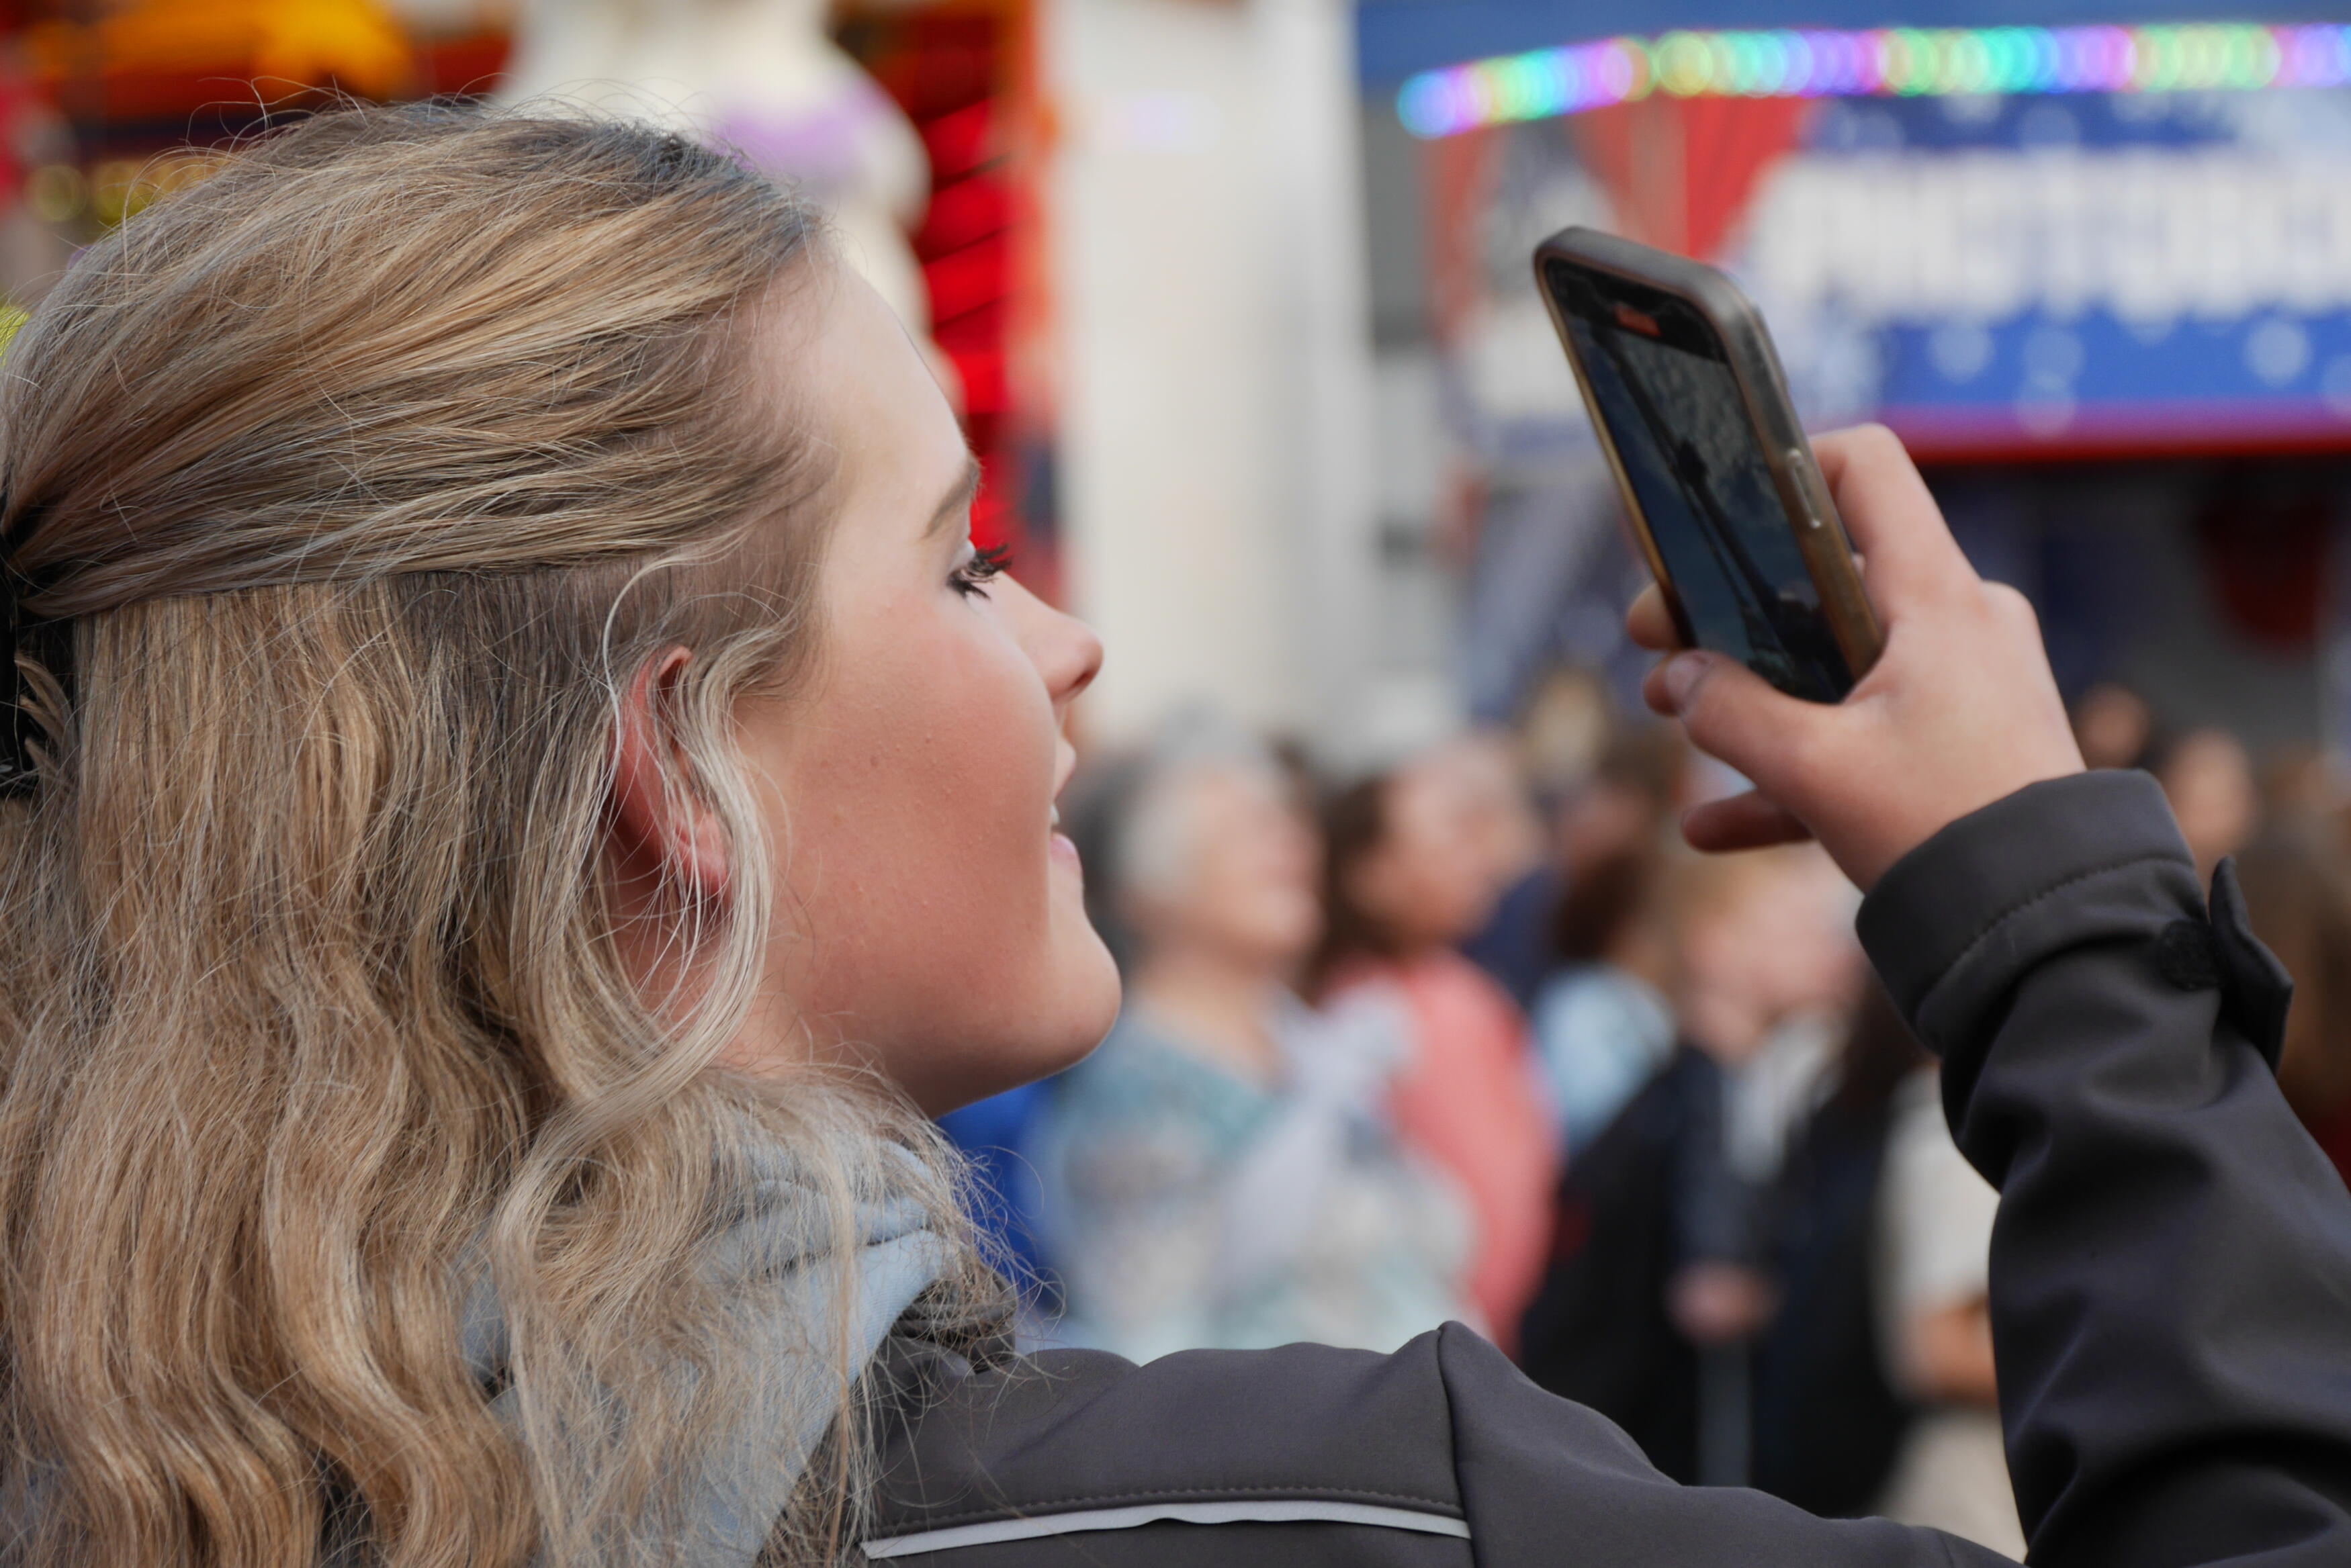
x,y
1734,714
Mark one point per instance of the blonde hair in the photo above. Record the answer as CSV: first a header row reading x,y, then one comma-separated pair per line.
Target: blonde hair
x,y
368,470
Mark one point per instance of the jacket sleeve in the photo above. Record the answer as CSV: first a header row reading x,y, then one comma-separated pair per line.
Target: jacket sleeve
x,y
2171,1266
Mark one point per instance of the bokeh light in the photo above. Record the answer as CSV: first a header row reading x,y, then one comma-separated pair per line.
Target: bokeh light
x,y
1881,62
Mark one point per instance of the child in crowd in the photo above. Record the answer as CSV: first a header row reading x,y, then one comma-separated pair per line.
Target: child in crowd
x,y
1657,1281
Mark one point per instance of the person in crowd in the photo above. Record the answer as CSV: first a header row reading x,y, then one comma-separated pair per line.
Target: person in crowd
x,y
1828,1420
1933,1320
1601,1024
1506,832
2114,725
1718,1292
2302,780
2297,882
1814,977
522,801
1627,805
2207,776
1404,882
1220,1171
1659,1281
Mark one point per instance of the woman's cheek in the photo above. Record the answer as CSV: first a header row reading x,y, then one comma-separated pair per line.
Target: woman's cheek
x,y
980,788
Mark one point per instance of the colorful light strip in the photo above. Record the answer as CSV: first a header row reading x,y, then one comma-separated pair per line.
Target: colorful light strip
x,y
1886,63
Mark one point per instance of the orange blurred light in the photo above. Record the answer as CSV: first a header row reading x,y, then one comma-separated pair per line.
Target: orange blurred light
x,y
354,44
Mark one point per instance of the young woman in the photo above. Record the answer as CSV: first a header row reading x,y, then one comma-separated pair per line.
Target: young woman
x,y
535,796
530,794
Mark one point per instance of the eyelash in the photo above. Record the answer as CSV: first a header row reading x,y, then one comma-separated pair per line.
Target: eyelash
x,y
973,576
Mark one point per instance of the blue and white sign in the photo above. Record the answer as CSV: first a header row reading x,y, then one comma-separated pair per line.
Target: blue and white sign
x,y
2089,271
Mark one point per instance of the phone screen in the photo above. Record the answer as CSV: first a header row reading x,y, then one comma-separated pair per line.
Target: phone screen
x,y
1690,454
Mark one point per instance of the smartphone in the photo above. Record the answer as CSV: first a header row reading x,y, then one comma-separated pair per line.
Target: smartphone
x,y
1725,500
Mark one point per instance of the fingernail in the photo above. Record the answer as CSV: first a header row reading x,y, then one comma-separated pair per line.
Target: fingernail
x,y
1683,672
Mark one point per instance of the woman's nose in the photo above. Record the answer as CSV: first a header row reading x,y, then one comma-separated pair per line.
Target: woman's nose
x,y
1067,651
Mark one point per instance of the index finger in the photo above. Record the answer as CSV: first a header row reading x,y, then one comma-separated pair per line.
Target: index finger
x,y
1891,516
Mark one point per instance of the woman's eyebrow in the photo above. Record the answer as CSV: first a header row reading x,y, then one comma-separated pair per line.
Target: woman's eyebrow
x,y
958,496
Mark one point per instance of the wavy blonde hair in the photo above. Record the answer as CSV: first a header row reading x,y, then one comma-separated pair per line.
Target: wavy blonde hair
x,y
363,473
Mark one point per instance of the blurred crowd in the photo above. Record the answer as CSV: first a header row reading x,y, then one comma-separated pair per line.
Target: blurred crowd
x,y
1474,1038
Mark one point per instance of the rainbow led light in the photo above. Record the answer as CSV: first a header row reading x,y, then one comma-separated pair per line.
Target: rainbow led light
x,y
1894,62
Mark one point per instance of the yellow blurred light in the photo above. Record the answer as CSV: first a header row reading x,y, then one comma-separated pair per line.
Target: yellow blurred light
x,y
1685,64
115,193
56,193
124,187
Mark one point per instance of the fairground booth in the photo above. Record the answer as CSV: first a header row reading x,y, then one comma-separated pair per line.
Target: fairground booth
x,y
2095,269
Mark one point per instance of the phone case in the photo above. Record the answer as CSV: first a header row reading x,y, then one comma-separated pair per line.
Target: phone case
x,y
1804,495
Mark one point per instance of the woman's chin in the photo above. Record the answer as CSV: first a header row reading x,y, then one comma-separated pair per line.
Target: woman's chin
x,y
1093,1001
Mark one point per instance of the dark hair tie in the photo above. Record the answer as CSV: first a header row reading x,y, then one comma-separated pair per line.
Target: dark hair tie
x,y
30,638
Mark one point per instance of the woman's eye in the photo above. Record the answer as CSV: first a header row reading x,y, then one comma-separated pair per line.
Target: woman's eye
x,y
972,577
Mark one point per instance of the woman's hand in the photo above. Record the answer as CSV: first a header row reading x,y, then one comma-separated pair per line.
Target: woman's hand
x,y
1959,711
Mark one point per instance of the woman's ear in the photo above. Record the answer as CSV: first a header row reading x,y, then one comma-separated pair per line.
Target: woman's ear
x,y
661,833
